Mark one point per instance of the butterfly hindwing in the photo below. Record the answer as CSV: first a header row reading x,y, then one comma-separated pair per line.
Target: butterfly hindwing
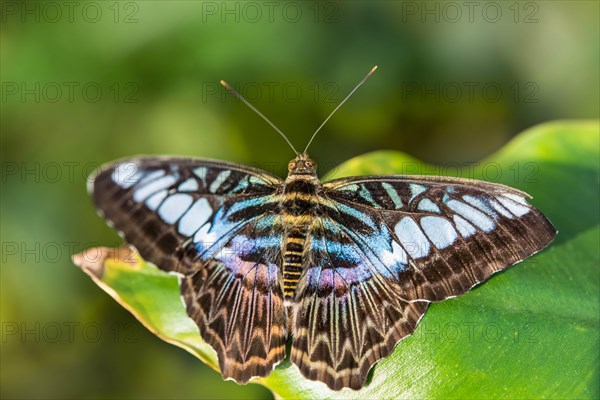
x,y
237,301
437,237
347,317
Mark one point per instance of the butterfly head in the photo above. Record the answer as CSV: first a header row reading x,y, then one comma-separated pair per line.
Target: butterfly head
x,y
302,165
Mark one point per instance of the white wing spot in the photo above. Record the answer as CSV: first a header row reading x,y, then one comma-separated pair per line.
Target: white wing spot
x,y
397,255
154,201
216,184
159,184
350,188
393,194
514,207
204,237
498,207
415,190
190,185
480,204
200,172
517,198
255,180
439,230
126,174
465,228
174,206
195,217
366,194
241,186
472,214
428,205
412,238
152,175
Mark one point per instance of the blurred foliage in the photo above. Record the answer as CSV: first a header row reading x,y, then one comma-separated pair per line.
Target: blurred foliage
x,y
157,65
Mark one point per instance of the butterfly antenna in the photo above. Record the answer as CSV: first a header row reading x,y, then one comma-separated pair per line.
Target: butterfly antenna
x,y
339,105
232,90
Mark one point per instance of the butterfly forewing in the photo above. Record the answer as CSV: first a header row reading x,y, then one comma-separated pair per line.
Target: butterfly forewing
x,y
166,206
437,237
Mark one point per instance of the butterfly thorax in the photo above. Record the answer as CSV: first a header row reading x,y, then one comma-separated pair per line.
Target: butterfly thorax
x,y
298,206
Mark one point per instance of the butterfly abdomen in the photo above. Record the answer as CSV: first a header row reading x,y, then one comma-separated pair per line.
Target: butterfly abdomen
x,y
293,261
298,205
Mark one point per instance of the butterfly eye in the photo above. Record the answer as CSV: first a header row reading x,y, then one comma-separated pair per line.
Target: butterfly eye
x,y
310,164
292,165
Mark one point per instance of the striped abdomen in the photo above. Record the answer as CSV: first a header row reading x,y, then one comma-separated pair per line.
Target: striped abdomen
x,y
293,260
298,205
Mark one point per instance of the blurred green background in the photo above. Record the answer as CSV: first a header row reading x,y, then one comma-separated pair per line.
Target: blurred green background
x,y
84,83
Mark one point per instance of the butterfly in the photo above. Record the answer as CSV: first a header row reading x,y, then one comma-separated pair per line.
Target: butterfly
x,y
342,269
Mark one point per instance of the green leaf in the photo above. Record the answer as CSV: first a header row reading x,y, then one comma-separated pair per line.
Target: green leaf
x,y
531,331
